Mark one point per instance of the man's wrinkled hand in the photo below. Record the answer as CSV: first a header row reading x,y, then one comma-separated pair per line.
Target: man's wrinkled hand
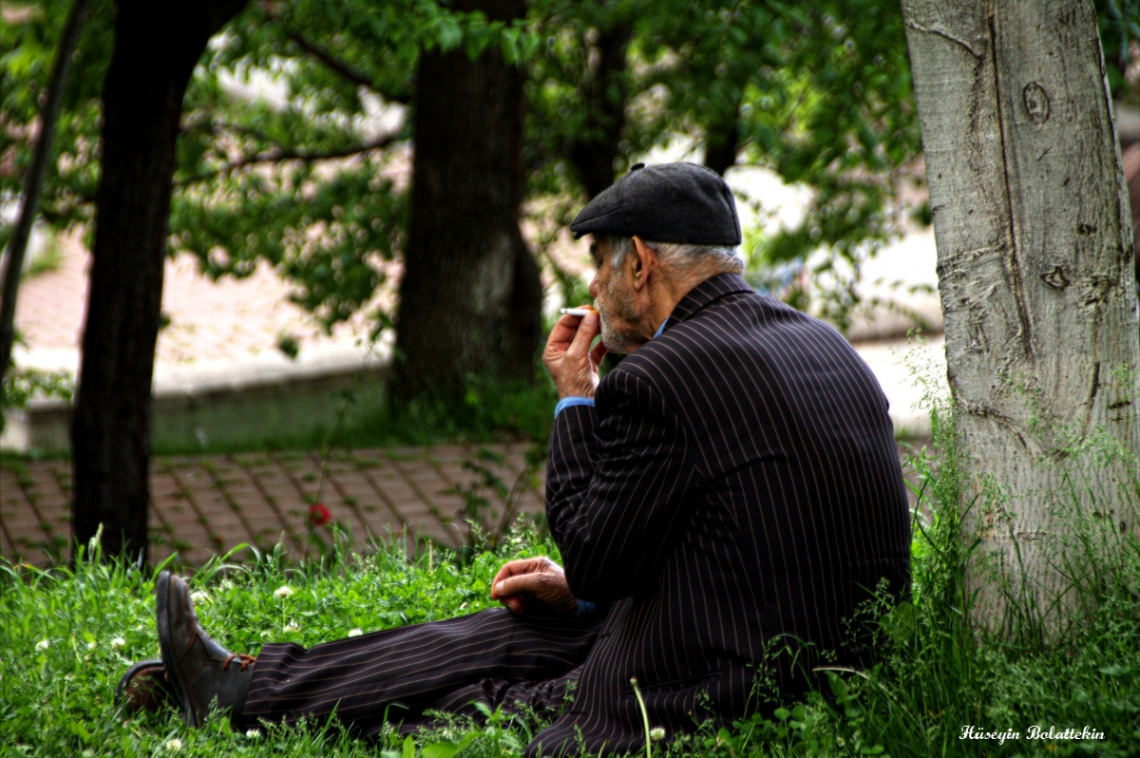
x,y
568,358
525,581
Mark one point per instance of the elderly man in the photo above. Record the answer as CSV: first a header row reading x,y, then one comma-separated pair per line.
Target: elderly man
x,y
724,499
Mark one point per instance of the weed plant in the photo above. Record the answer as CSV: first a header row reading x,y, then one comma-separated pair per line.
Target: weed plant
x,y
946,686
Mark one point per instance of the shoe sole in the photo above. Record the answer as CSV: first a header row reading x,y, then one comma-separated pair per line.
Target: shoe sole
x,y
131,673
162,609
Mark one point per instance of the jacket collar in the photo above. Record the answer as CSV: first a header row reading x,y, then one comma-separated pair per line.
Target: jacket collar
x,y
709,290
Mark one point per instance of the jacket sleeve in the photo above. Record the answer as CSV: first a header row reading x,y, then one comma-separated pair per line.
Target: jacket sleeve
x,y
617,488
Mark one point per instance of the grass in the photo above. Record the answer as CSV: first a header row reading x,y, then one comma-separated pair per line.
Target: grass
x,y
66,636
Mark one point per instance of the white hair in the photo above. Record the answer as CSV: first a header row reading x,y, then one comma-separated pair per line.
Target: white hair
x,y
682,255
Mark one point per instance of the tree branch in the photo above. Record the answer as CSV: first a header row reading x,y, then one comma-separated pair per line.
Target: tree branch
x,y
332,62
342,68
34,179
337,65
281,155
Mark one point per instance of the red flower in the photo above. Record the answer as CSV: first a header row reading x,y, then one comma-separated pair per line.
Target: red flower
x,y
319,515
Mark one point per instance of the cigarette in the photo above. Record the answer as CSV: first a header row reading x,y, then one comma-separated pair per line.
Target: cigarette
x,y
577,311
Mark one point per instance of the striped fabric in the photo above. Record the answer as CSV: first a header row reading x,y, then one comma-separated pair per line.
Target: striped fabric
x,y
736,489
398,674
735,493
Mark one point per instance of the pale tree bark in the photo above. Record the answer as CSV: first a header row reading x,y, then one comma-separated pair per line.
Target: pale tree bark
x,y
1034,242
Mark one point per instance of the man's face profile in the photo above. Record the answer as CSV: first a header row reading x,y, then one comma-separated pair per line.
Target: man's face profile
x,y
614,300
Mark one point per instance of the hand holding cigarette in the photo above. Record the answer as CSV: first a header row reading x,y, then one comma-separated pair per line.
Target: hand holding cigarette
x,y
568,358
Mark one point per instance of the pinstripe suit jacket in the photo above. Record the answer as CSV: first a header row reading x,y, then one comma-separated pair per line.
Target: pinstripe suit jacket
x,y
736,487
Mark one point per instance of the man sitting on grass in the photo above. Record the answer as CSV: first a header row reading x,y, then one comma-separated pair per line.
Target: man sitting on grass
x,y
724,500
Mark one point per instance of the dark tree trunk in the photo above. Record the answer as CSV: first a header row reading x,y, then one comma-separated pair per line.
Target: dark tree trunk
x,y
721,143
470,298
156,47
594,151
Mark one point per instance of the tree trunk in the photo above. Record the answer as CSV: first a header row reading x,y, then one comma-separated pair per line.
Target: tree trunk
x,y
34,181
470,298
594,150
1031,220
722,140
156,47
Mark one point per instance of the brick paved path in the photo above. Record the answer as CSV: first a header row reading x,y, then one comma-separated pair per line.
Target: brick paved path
x,y
209,504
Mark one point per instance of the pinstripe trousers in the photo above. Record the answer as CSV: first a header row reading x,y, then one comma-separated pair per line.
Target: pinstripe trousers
x,y
396,675
735,488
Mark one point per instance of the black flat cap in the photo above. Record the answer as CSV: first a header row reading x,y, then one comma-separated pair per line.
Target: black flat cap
x,y
673,202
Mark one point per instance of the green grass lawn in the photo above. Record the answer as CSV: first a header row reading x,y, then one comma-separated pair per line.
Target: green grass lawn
x,y
67,635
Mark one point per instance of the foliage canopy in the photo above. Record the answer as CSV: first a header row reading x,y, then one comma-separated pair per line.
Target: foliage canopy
x,y
296,133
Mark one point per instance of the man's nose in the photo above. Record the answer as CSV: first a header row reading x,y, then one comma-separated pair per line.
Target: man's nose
x,y
594,287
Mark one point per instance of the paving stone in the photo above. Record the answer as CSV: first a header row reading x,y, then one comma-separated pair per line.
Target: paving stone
x,y
380,528
223,514
349,516
338,467
242,489
207,504
397,491
23,521
10,550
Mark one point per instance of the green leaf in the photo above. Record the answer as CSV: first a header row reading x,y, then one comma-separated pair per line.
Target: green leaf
x,y
449,34
838,686
899,624
79,731
440,750
409,747
475,41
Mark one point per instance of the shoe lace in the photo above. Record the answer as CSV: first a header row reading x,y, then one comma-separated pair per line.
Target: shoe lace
x,y
245,658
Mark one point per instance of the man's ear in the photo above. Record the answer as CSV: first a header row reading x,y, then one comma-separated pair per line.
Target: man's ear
x,y
644,263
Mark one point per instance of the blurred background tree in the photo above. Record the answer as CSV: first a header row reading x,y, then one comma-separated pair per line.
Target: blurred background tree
x,y
300,119
306,179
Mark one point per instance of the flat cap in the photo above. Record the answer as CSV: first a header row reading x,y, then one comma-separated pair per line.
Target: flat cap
x,y
672,202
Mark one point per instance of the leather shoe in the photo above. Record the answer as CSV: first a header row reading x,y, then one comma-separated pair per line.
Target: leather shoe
x,y
145,687
199,668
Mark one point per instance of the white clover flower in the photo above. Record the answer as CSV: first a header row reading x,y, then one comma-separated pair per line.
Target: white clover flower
x,y
118,642
90,645
42,645
283,591
657,733
253,734
199,597
355,632
291,627
174,745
